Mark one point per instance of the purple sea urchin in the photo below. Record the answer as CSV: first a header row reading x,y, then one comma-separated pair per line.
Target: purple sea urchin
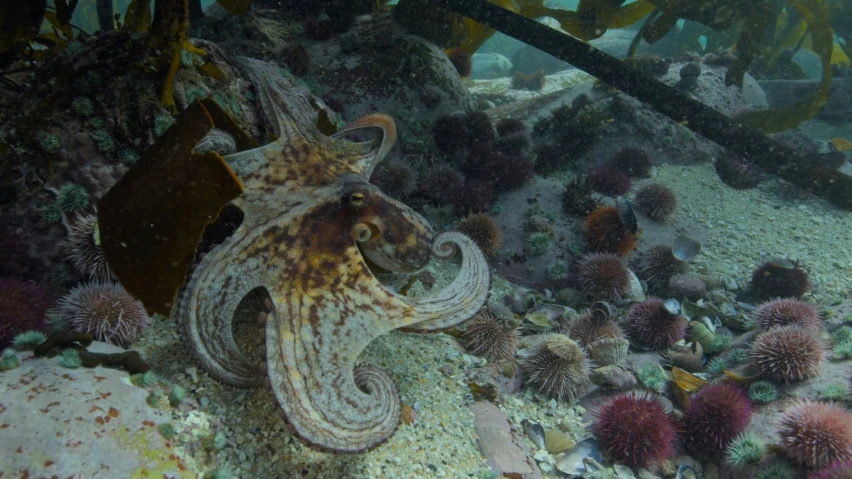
x,y
557,367
657,265
633,161
86,253
816,434
653,325
106,311
22,308
490,338
586,329
655,201
737,173
395,178
786,354
609,181
779,279
786,312
440,183
476,196
603,276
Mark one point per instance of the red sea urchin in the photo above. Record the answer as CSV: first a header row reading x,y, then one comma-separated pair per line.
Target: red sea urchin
x,y
816,434
835,470
634,429
786,312
655,201
716,414
557,367
653,325
22,308
606,232
786,354
609,181
603,276
106,311
779,279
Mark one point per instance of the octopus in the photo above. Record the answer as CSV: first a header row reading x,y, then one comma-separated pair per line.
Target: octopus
x,y
313,228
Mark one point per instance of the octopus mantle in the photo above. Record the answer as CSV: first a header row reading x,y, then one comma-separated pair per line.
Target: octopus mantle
x,y
310,219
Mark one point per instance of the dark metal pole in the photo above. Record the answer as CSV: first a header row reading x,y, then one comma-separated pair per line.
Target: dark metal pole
x,y
806,172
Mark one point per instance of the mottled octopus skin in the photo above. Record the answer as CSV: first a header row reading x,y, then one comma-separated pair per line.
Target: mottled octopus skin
x,y
310,213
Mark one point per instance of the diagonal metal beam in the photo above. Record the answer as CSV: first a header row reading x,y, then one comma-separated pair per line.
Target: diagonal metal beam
x,y
806,172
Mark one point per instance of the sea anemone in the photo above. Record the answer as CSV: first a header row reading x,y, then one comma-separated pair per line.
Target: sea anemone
x,y
72,198
786,354
779,279
577,200
70,359
634,429
395,178
603,276
482,230
22,308
737,173
816,434
609,181
106,311
586,329
476,196
490,337
84,244
28,340
440,183
633,161
655,201
652,377
606,232
296,58
786,312
653,325
177,395
762,392
537,243
657,265
557,367
460,60
556,271
715,416
746,448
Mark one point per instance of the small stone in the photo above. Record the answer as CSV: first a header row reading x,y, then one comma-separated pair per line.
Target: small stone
x,y
192,372
711,470
685,285
730,284
205,401
542,456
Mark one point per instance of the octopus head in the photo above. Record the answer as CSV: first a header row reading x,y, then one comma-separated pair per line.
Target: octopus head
x,y
388,233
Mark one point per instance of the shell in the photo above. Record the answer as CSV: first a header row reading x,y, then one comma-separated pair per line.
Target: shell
x,y
556,441
554,311
573,462
515,300
603,311
699,333
613,377
685,248
672,305
535,431
607,351
685,472
538,321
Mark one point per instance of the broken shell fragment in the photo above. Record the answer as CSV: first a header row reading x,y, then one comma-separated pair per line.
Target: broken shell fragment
x,y
685,248
608,351
574,461
535,431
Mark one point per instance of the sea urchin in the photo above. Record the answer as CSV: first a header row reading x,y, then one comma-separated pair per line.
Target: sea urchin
x,y
786,354
816,434
715,416
557,367
634,429
106,311
653,325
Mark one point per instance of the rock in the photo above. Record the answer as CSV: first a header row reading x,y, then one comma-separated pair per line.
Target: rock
x,y
369,79
684,285
486,66
505,451
59,422
730,284
711,470
613,377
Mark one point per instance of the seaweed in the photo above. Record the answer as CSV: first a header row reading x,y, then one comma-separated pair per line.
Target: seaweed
x,y
169,189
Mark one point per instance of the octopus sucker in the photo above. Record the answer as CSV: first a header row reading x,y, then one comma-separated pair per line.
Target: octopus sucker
x,y
309,231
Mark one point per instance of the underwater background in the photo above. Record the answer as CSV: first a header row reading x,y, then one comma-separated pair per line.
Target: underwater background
x,y
426,238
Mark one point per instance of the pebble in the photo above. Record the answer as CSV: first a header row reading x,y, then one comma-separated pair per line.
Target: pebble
x,y
192,372
204,401
730,284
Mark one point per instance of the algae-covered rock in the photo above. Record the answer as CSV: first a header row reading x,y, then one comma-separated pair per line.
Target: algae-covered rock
x,y
58,422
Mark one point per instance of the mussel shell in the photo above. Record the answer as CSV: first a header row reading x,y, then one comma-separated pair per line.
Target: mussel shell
x,y
602,311
685,248
515,300
572,462
685,472
535,431
538,322
607,351
699,333
672,305
554,311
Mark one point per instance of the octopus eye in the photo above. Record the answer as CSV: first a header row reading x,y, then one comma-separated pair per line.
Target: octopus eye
x,y
357,199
